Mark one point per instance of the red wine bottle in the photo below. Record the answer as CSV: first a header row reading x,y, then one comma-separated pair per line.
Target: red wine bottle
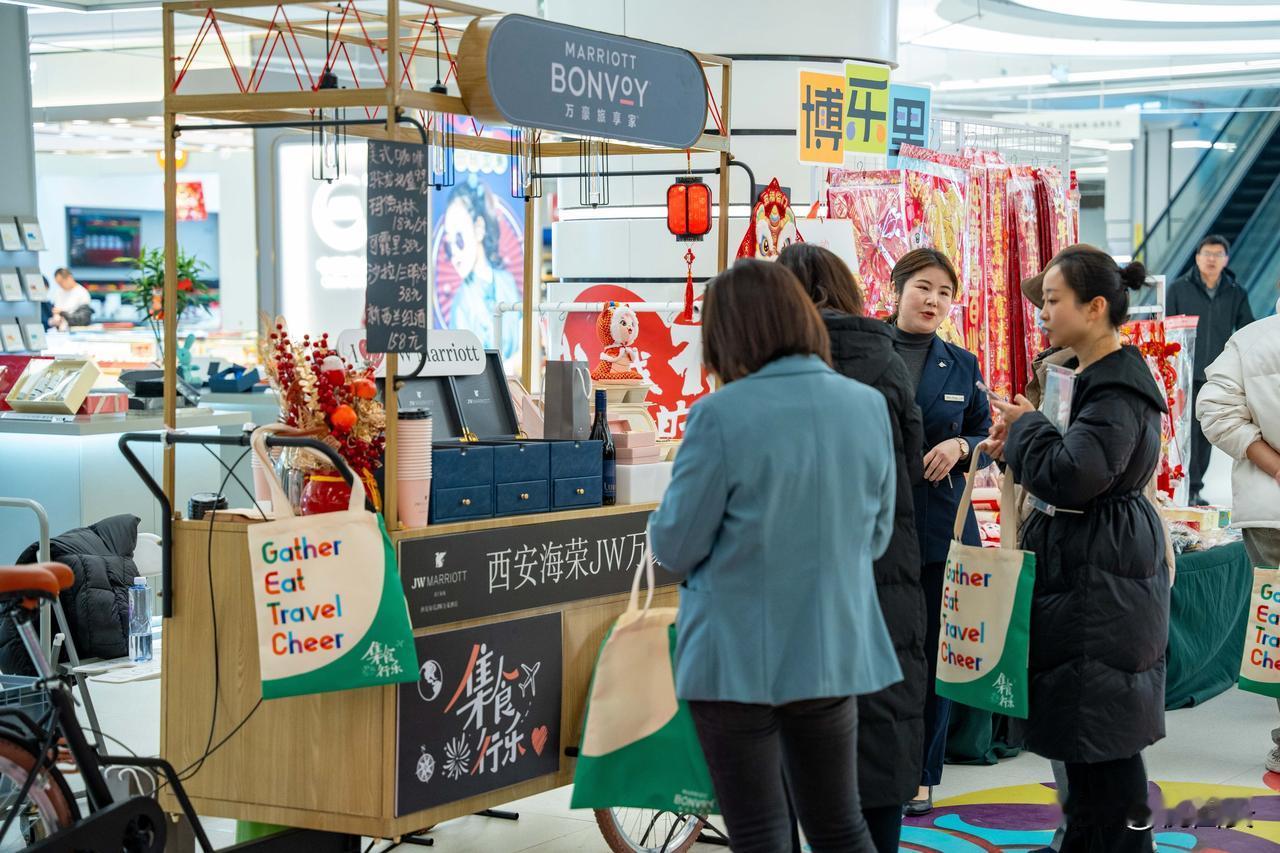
x,y
600,432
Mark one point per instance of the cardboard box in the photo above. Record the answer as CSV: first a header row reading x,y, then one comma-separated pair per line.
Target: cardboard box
x,y
638,484
633,440
104,403
53,386
638,455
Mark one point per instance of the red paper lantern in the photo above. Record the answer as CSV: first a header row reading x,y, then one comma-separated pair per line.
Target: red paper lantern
x,y
689,208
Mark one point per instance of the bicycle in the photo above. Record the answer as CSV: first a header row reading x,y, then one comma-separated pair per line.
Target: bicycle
x,y
628,830
38,811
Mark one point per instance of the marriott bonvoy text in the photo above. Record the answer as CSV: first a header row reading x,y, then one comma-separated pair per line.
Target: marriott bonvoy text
x,y
621,89
291,582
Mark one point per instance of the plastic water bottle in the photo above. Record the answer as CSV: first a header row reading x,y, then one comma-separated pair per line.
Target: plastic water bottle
x,y
139,621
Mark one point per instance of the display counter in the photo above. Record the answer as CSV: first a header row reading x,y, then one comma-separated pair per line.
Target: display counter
x,y
72,467
509,615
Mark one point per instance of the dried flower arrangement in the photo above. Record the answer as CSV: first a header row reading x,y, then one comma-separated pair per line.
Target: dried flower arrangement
x,y
324,396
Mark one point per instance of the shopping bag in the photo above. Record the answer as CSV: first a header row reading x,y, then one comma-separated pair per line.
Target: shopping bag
x,y
329,607
639,745
1260,665
566,402
985,621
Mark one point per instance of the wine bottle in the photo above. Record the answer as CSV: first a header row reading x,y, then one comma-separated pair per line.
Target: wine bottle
x,y
600,432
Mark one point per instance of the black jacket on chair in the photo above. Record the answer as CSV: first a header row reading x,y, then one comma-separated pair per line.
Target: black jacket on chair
x,y
891,722
97,605
1100,613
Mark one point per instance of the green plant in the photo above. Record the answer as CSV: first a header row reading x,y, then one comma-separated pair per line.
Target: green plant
x,y
148,290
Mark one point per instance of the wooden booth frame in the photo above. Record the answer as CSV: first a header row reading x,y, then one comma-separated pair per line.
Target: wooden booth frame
x,y
329,751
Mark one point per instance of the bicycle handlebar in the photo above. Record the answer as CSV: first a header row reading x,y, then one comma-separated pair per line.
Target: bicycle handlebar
x,y
166,520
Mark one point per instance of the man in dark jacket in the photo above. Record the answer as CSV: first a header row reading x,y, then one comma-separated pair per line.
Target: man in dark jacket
x,y
1209,292
97,605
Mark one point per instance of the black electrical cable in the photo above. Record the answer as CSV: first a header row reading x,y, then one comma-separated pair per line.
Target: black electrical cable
x,y
196,766
232,471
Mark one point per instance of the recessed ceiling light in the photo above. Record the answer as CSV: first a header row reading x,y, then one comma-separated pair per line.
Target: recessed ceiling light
x,y
155,119
105,138
118,120
79,122
60,151
1191,143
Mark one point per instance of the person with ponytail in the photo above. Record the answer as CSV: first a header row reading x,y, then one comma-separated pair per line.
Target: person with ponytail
x,y
1100,611
946,383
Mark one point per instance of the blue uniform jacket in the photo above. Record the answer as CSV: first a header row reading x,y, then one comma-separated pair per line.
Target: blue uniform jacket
x,y
781,498
952,405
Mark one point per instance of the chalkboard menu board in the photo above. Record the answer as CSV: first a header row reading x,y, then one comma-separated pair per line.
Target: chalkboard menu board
x,y
396,311
484,714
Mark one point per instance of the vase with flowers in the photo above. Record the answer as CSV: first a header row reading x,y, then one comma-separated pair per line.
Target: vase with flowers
x,y
327,397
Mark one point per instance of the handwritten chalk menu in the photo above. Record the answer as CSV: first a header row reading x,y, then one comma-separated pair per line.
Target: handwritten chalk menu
x,y
519,567
483,715
396,311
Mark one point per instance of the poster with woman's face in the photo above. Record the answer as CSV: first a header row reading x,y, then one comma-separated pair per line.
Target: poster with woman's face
x,y
478,246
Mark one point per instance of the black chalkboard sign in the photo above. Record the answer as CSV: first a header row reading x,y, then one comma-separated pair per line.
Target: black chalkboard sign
x,y
508,569
484,714
396,311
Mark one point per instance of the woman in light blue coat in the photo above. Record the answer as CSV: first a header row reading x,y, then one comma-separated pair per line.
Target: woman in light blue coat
x,y
775,516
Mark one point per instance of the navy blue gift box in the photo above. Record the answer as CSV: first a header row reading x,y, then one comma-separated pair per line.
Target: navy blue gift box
x,y
481,468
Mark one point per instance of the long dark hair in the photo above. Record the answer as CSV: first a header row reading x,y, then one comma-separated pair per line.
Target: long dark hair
x,y
473,196
1091,272
825,277
916,261
756,312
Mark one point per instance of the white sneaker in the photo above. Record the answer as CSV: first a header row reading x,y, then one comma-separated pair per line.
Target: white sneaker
x,y
1273,760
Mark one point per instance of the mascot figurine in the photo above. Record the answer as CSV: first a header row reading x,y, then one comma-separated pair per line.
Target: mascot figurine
x,y
618,328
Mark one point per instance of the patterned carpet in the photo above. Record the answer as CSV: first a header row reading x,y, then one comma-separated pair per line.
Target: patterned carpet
x,y
1022,818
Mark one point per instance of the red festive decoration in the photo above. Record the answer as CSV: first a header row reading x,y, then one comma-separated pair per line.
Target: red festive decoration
x,y
689,208
686,316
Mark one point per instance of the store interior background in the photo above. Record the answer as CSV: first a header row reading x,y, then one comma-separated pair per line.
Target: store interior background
x,y
1146,96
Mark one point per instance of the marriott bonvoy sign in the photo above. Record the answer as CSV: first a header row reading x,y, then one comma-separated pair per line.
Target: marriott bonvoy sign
x,y
533,73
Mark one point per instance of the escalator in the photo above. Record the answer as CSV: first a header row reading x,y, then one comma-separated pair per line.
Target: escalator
x,y
1229,192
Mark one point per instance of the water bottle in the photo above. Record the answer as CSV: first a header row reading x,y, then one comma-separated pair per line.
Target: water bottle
x,y
139,621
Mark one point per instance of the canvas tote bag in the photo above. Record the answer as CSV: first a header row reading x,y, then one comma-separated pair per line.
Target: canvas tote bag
x,y
1260,666
985,636
639,745
330,610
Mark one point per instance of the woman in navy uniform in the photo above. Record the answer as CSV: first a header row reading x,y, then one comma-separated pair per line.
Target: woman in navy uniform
x,y
956,419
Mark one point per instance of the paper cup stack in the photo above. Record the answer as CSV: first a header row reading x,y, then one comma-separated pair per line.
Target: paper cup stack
x,y
262,475
413,467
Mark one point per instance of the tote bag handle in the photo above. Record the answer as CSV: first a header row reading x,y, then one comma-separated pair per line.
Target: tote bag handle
x,y
280,504
645,570
1008,526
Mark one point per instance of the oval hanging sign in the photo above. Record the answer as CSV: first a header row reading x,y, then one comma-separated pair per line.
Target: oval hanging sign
x,y
530,72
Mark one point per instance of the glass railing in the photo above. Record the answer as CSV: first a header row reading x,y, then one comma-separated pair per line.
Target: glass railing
x,y
1255,258
1172,238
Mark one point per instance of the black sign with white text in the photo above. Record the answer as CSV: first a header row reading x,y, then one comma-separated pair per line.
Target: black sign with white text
x,y
398,248
559,77
507,569
484,713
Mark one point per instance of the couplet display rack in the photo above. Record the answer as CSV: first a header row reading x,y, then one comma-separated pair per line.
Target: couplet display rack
x,y
382,70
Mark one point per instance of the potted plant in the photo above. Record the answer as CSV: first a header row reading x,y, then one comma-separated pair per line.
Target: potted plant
x,y
147,294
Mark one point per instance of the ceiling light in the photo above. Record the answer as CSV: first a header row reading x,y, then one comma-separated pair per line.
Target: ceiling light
x,y
1191,143
1152,105
137,152
979,39
1120,146
118,120
1151,72
60,151
1091,171
79,122
1224,146
1133,108
155,119
1157,10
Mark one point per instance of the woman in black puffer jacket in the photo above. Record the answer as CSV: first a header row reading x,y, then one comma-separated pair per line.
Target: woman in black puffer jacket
x,y
1100,613
891,722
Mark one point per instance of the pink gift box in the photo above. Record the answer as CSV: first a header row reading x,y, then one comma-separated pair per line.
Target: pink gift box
x,y
638,455
104,403
635,440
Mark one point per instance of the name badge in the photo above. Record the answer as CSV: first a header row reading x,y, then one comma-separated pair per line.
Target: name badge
x,y
953,398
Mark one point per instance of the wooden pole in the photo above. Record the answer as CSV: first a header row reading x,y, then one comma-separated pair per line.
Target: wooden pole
x,y
170,297
531,283
390,489
722,248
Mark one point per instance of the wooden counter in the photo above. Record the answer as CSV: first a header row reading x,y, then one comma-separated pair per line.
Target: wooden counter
x,y
328,761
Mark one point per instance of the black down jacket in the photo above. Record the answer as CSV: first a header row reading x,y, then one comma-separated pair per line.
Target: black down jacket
x,y
1100,614
97,605
891,722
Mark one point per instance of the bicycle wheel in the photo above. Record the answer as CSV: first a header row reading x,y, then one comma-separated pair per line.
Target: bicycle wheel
x,y
47,807
648,831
